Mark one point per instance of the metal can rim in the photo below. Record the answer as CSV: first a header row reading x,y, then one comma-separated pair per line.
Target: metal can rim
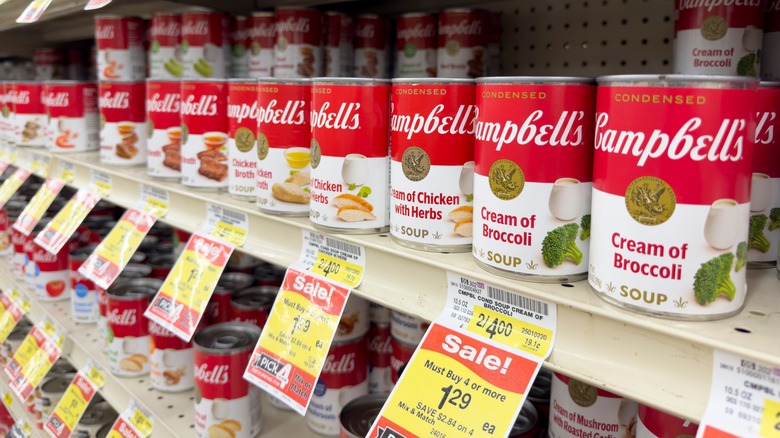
x,y
292,81
68,82
531,80
769,84
700,81
433,81
416,15
244,326
349,81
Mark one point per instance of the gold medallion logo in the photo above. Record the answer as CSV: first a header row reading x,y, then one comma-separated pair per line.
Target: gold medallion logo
x,y
415,163
714,28
583,394
185,133
6,111
452,47
316,154
262,146
506,179
650,200
245,139
102,122
149,129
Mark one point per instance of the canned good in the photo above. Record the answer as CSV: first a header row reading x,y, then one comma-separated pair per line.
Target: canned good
x,y
105,430
407,328
652,423
526,424
380,348
171,361
357,416
17,243
415,45
521,121
225,403
48,394
239,38
344,377
128,330
378,314
95,418
84,306
206,35
243,113
163,117
252,305
349,156
580,409
462,41
539,395
61,368
123,130
165,54
51,273
339,48
161,265
718,38
49,63
218,308
29,114
297,49
372,47
651,224
402,354
204,124
73,116
261,44
770,62
432,167
120,48
354,322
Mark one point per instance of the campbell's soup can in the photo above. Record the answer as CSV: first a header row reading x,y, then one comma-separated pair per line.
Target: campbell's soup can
x,y
252,305
52,274
243,112
661,243
74,122
84,306
218,308
770,53
415,45
171,365
355,320
225,403
5,237
165,52
579,409
205,41
128,330
29,114
763,245
163,119
380,348
378,314
652,423
204,123
432,168
283,146
49,63
161,265
339,44
532,221
462,41
298,44
493,48
262,30
357,416
372,47
344,377
407,328
123,130
350,159
718,38
239,40
402,354
120,48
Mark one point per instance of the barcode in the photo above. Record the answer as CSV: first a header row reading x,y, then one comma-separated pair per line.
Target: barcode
x,y
235,215
157,193
343,246
518,300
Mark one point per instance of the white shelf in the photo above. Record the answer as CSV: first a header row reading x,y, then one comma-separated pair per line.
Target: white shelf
x,y
18,410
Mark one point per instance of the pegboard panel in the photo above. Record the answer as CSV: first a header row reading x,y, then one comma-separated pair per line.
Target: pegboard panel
x,y
586,37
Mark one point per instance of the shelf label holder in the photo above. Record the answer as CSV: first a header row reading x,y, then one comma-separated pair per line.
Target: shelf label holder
x,y
74,402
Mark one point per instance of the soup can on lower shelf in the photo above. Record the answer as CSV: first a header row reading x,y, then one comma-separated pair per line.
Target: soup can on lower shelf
x,y
664,242
204,125
358,415
128,329
652,423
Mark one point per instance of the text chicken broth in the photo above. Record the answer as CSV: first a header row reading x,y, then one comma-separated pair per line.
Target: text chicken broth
x,y
672,173
532,182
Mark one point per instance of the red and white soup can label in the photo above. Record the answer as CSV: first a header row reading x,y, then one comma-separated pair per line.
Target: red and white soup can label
x,y
718,38
520,207
339,44
380,348
578,409
298,46
29,119
432,169
128,336
770,53
163,119
74,122
461,50
344,378
262,29
171,361
661,242
372,47
416,45
52,274
407,328
283,152
652,423
239,50
205,44
765,185
204,134
350,157
243,112
123,130
165,54
120,48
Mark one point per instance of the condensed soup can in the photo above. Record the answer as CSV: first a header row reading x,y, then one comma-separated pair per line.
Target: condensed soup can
x,y
372,47
84,296
170,361
378,314
532,221
762,246
225,403
462,41
652,423
350,187
261,44
380,348
407,328
29,114
123,130
74,122
358,415
51,273
218,308
718,38
204,124
128,339
132,270
243,112
339,44
239,50
252,305
206,36
165,52
283,140
415,45
770,53
432,167
662,243
298,46
120,48
163,117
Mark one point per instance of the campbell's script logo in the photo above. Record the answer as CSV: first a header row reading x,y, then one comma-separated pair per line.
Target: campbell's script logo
x,y
199,27
292,113
159,331
365,30
262,30
164,103
773,6
381,344
216,376
19,97
461,123
166,29
566,131
243,111
293,25
105,32
346,116
765,130
344,365
419,30
709,5
124,317
463,27
116,100
59,99
205,105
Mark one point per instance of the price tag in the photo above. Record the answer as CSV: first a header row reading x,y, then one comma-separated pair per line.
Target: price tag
x,y
744,399
38,205
12,184
100,183
294,344
39,164
226,224
67,171
182,299
96,4
33,12
134,422
11,311
74,402
33,360
154,201
333,258
54,236
480,358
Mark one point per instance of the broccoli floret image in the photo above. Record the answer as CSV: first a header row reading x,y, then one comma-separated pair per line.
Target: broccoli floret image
x,y
741,256
774,219
747,65
713,280
585,225
560,244
756,238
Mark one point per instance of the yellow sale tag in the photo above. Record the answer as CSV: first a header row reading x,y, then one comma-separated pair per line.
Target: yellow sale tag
x,y
511,331
38,206
770,420
65,222
67,171
229,233
96,377
12,184
142,422
338,270
8,399
74,402
39,165
156,207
